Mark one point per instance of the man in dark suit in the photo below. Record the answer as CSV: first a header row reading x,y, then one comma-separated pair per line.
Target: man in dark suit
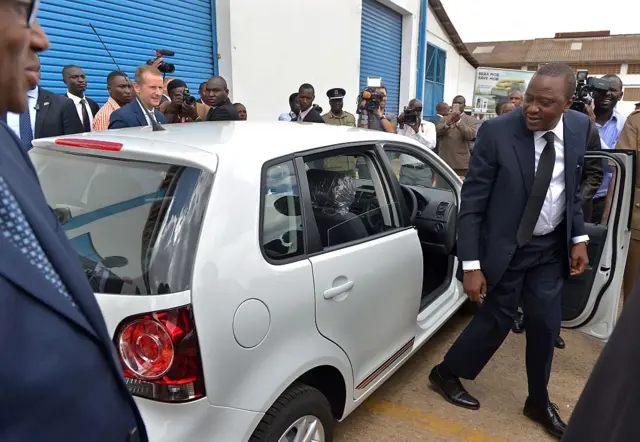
x,y
217,96
61,381
47,114
75,79
307,112
148,86
528,161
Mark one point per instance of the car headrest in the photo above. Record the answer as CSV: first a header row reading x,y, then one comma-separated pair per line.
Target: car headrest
x,y
333,191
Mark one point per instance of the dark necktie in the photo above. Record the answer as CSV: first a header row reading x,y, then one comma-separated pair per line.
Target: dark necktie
x,y
86,122
538,192
26,133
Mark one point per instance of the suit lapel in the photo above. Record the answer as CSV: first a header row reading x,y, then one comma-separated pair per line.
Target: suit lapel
x,y
140,114
570,161
44,103
526,153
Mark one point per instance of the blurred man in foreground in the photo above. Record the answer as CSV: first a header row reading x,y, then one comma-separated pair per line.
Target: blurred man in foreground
x,y
62,381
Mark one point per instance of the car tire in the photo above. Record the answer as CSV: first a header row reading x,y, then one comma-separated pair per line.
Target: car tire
x,y
298,402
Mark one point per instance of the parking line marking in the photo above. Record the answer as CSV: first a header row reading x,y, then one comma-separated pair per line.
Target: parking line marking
x,y
430,422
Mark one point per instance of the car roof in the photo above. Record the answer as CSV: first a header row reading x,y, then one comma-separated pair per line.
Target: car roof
x,y
265,140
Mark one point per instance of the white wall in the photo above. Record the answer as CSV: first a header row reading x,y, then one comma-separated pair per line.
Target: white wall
x,y
459,74
269,48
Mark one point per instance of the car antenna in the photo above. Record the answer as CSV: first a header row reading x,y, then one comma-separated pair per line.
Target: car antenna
x,y
154,123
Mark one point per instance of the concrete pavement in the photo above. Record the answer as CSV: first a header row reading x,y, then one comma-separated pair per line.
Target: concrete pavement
x,y
406,409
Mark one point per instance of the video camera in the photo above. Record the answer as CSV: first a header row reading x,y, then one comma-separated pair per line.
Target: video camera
x,y
584,90
411,116
164,67
187,97
369,99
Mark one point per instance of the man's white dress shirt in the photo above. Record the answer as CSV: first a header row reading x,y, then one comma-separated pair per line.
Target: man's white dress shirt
x,y
146,116
425,135
13,120
77,101
553,209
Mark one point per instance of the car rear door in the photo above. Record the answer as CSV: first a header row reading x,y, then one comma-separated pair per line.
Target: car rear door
x,y
590,301
366,260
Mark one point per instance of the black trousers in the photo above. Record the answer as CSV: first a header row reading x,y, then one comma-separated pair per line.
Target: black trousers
x,y
534,279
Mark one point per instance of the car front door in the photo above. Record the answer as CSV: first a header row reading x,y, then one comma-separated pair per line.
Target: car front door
x,y
590,301
366,260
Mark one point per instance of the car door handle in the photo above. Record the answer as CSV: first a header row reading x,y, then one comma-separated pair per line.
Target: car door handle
x,y
335,291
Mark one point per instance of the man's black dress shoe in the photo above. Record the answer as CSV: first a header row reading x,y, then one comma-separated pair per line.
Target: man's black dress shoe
x,y
518,323
560,343
547,416
451,389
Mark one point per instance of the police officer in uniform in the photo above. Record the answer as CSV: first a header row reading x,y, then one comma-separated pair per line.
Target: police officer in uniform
x,y
338,117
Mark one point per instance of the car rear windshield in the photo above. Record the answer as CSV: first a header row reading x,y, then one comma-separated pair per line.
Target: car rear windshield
x,y
134,225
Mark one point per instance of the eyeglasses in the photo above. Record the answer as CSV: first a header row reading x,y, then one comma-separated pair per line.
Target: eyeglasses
x,y
29,8
33,12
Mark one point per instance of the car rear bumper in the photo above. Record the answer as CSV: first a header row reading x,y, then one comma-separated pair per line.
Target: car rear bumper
x,y
197,421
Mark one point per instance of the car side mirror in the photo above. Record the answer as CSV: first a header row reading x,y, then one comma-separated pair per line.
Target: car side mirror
x,y
63,214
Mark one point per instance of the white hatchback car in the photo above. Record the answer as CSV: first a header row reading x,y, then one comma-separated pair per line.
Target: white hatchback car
x,y
261,280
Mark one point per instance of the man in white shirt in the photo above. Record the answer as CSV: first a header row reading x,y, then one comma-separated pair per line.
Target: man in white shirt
x,y
521,234
410,124
76,81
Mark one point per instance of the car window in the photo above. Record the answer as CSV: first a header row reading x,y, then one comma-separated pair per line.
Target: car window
x,y
134,225
282,234
412,171
348,198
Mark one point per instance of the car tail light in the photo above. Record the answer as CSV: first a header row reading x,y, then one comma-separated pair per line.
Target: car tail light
x,y
160,355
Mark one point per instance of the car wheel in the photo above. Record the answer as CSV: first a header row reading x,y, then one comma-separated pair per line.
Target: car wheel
x,y
302,414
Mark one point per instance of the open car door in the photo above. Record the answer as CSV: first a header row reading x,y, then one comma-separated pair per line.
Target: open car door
x,y
590,301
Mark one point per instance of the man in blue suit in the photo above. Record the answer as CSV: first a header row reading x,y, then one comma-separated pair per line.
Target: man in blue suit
x,y
521,234
59,374
148,86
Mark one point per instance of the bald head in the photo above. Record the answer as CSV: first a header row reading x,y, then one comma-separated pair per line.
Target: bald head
x,y
216,92
415,103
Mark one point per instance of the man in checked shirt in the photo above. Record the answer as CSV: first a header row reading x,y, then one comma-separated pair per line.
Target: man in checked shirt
x,y
120,93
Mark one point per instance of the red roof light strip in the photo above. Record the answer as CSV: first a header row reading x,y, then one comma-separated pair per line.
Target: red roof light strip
x,y
89,144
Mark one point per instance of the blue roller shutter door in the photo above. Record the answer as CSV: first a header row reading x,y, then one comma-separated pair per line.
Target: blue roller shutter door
x,y
381,49
131,30
434,80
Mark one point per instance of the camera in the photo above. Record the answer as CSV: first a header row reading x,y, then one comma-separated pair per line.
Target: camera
x,y
411,116
369,99
187,97
164,67
584,90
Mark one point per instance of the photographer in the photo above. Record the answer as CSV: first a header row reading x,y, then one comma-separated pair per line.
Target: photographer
x,y
378,119
610,123
183,108
410,124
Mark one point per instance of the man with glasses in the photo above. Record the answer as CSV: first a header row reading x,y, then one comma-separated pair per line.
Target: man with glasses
x,y
62,381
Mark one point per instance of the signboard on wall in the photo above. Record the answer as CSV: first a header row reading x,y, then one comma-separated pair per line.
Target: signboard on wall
x,y
493,85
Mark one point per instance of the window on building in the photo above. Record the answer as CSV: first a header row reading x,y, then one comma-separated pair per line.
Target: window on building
x,y
634,68
631,94
532,67
483,49
599,69
434,79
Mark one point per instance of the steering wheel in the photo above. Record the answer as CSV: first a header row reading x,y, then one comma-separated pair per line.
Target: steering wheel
x,y
414,202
